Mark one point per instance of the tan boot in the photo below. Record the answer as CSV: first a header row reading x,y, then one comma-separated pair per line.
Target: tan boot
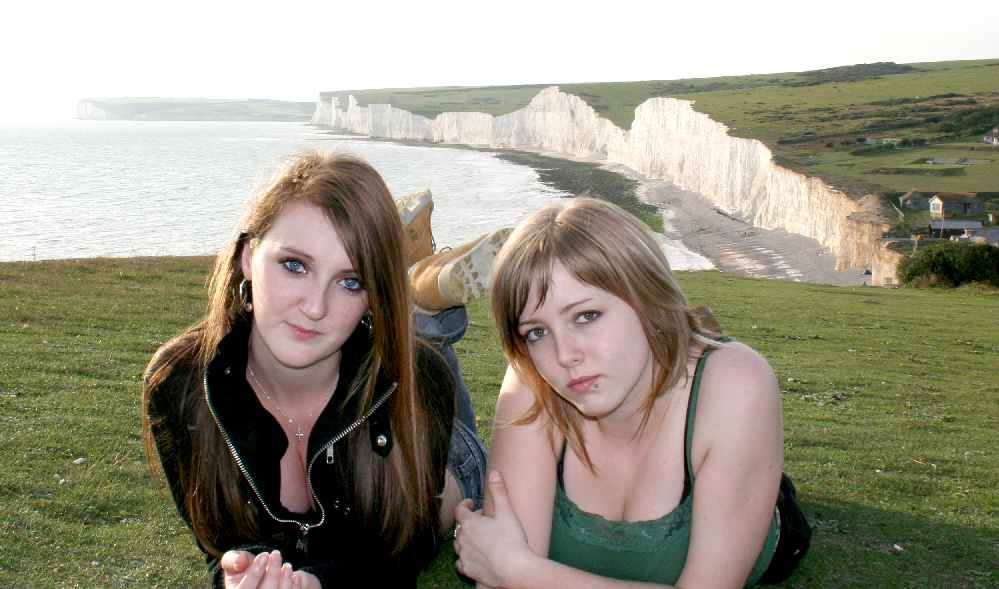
x,y
455,277
414,210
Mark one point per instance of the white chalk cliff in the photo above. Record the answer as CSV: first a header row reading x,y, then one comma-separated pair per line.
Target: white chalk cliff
x,y
668,140
86,110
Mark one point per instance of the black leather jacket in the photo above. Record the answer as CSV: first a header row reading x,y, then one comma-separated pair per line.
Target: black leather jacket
x,y
329,542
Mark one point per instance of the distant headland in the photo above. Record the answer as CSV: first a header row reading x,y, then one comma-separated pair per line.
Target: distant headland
x,y
192,109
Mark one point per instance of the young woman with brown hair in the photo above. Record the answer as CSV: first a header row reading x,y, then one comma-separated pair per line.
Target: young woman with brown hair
x,y
632,446
307,435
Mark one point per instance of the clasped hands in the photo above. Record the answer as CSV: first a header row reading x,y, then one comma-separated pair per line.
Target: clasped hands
x,y
493,550
243,570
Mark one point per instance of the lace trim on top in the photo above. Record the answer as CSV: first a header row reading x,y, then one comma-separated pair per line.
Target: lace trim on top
x,y
642,536
622,536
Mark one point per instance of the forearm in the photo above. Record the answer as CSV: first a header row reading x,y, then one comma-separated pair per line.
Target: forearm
x,y
537,572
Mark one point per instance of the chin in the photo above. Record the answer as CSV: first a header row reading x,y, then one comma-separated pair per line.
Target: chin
x,y
292,360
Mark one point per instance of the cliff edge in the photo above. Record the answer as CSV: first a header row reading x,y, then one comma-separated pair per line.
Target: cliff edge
x,y
668,140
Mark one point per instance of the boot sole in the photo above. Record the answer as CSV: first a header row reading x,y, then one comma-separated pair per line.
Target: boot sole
x,y
468,277
411,205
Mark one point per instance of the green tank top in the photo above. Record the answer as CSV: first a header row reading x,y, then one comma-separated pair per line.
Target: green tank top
x,y
651,551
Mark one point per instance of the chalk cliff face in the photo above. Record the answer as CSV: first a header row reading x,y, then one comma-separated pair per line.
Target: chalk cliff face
x,y
88,111
324,113
668,140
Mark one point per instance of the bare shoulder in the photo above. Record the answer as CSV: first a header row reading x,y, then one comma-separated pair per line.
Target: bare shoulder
x,y
515,403
739,386
736,368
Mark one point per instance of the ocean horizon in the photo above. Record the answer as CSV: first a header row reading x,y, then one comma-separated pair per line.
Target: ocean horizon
x,y
84,189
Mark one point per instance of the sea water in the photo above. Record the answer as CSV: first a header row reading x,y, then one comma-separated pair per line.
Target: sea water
x,y
79,189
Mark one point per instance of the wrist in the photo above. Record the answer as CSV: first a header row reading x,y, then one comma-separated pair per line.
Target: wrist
x,y
522,569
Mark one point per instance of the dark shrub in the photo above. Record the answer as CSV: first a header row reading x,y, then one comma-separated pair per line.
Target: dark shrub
x,y
951,263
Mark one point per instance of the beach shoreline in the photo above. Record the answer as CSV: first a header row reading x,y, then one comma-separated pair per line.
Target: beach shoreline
x,y
736,246
690,222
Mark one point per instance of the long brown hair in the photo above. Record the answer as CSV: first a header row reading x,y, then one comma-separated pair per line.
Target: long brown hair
x,y
397,492
606,247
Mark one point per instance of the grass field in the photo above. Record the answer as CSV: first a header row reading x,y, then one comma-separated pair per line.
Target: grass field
x,y
889,403
811,120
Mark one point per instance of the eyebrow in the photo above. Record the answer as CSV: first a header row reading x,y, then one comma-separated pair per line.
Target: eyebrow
x,y
290,250
560,311
296,252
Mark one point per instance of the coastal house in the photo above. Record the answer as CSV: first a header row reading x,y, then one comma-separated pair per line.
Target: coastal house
x,y
955,204
945,229
992,137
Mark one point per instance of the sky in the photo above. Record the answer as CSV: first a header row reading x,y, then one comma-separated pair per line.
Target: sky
x,y
54,53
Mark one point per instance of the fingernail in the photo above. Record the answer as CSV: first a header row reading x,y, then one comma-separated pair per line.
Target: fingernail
x,y
494,476
259,560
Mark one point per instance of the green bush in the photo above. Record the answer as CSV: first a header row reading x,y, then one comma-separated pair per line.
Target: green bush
x,y
951,263
970,121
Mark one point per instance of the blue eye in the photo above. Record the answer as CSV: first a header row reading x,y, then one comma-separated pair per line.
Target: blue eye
x,y
293,265
352,284
534,334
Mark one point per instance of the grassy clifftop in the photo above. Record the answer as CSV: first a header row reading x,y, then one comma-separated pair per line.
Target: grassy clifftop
x,y
889,400
811,120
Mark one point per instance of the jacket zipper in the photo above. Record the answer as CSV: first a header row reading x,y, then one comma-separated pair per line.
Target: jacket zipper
x,y
302,527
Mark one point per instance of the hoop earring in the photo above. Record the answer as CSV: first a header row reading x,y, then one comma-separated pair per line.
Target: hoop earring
x,y
366,321
246,296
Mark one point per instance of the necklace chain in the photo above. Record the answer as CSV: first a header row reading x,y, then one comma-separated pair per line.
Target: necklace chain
x,y
299,434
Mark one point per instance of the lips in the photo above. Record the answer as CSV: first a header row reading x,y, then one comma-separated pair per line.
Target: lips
x,y
302,333
583,383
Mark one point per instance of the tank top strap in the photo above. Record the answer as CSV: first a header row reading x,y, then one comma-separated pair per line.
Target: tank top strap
x,y
695,389
561,463
688,435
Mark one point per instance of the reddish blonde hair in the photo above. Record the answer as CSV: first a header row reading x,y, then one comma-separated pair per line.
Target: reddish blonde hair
x,y
606,247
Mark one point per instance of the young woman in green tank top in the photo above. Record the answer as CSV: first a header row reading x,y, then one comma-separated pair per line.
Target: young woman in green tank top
x,y
631,445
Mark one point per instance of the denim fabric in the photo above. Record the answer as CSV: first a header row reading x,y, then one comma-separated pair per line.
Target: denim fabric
x,y
444,329
467,457
467,462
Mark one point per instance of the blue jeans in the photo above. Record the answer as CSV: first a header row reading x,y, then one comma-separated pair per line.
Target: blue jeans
x,y
467,457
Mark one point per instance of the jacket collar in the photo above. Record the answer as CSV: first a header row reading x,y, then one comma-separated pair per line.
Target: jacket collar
x,y
256,436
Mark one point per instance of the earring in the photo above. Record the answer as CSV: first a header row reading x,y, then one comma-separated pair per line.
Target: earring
x,y
245,296
367,323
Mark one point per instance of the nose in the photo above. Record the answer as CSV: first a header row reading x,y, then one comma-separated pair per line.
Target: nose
x,y
567,349
315,303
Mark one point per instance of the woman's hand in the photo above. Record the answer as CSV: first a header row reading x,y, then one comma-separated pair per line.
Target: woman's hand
x,y
243,570
491,550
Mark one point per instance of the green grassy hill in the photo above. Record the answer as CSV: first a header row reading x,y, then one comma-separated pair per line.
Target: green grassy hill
x,y
889,397
811,120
